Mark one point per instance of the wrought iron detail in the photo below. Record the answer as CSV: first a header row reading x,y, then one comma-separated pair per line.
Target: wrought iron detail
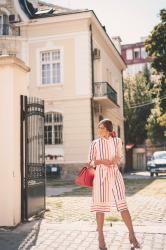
x,y
33,156
104,89
9,30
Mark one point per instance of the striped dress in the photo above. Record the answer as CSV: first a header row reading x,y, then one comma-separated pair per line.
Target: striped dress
x,y
108,186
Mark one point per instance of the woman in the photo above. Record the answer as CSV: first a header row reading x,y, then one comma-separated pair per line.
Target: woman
x,y
108,187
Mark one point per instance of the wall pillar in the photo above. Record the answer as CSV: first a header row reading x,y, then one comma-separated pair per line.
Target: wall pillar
x,y
13,83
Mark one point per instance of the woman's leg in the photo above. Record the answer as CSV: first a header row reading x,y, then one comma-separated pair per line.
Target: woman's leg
x,y
127,220
100,223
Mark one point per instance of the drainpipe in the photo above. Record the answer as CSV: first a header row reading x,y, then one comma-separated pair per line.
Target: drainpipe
x,y
122,90
92,77
125,167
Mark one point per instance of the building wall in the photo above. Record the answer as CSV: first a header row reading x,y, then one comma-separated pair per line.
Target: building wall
x,y
135,57
13,81
136,68
71,97
77,129
108,69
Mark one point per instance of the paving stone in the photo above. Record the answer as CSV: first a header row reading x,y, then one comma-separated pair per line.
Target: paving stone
x,y
69,225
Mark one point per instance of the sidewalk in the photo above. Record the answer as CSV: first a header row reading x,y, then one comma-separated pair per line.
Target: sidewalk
x,y
69,225
42,235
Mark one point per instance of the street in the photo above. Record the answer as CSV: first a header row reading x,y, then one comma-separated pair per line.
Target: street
x,y
68,223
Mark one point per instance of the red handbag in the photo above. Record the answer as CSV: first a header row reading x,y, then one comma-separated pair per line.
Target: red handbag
x,y
85,177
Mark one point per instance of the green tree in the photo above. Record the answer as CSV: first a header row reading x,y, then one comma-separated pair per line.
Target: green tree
x,y
136,91
155,45
156,125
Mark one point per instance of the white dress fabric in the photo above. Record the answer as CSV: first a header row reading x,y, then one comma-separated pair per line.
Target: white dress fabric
x,y
108,185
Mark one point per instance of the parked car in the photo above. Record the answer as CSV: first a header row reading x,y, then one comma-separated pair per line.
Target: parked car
x,y
53,170
157,163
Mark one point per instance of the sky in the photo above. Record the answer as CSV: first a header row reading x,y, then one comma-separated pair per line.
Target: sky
x,y
129,19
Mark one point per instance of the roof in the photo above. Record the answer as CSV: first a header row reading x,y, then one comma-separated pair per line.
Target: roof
x,y
51,10
45,9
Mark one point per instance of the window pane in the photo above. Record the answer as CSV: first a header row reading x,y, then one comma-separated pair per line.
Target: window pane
x,y
45,56
53,133
56,72
46,73
129,54
56,55
58,134
143,53
136,53
57,117
48,118
48,134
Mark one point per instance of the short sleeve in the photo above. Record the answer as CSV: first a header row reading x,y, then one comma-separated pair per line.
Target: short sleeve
x,y
92,151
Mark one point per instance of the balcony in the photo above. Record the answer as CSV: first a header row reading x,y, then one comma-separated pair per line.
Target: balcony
x,y
105,94
10,42
9,30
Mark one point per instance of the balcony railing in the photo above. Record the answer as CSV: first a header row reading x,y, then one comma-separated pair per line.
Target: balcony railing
x,y
102,89
9,30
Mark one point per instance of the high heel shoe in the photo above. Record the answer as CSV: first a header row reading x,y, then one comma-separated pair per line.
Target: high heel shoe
x,y
102,248
102,245
133,241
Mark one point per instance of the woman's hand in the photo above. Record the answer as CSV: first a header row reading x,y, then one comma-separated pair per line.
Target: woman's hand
x,y
115,160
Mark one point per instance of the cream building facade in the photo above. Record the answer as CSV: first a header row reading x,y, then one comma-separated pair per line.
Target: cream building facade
x,y
75,68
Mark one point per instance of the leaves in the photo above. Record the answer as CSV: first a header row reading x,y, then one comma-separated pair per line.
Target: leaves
x,y
136,92
155,44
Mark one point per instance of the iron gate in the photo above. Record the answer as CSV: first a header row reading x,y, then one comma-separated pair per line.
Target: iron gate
x,y
32,157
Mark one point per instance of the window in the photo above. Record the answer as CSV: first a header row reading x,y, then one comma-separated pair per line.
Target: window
x,y
143,53
50,67
11,53
53,129
136,53
1,24
129,54
4,24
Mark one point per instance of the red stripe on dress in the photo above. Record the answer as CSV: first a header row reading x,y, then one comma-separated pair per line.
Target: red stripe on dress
x,y
104,181
101,184
102,150
120,181
118,188
100,191
92,151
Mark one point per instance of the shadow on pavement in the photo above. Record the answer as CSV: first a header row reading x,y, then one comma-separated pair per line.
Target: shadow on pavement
x,y
22,237
134,182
